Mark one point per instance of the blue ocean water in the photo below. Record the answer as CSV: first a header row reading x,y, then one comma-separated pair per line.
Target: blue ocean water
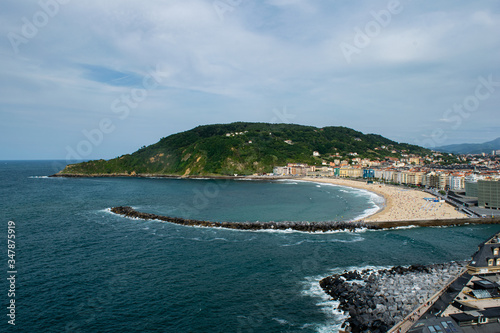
x,y
83,269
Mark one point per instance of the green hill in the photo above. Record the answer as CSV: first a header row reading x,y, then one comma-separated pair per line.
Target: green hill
x,y
244,148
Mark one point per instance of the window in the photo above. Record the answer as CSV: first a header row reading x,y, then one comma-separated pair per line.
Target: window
x,y
498,262
482,320
452,326
490,262
438,329
495,251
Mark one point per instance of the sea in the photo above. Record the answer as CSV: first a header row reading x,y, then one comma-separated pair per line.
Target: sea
x,y
80,268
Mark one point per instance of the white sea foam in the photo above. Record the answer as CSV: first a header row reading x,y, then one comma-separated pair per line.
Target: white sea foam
x,y
108,210
353,240
375,200
325,304
281,321
39,177
377,203
339,270
367,212
405,227
279,231
291,231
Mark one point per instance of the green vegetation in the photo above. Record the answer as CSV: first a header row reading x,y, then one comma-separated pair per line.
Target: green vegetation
x,y
449,159
250,148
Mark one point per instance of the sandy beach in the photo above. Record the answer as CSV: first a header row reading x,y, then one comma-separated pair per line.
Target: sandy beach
x,y
400,203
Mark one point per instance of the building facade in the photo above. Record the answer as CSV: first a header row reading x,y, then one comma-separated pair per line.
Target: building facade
x,y
488,194
471,188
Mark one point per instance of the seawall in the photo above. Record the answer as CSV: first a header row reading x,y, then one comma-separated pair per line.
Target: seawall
x,y
378,299
152,175
436,222
304,225
284,225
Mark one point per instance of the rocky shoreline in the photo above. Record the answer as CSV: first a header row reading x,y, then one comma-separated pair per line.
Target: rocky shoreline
x,y
376,300
285,225
152,175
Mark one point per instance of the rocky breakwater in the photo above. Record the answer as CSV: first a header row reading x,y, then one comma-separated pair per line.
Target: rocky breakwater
x,y
376,300
285,225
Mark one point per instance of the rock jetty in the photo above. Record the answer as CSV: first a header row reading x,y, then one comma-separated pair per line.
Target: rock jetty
x,y
299,226
376,300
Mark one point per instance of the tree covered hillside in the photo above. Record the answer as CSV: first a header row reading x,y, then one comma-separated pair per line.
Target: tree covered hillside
x,y
245,148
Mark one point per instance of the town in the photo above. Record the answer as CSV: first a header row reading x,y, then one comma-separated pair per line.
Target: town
x,y
472,181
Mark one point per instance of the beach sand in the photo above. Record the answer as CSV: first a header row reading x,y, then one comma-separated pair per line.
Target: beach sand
x,y
401,203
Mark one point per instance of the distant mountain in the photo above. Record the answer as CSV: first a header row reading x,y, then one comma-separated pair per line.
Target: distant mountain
x,y
471,148
245,148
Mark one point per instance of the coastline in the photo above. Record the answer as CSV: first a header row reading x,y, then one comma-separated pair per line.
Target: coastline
x,y
152,175
401,204
376,300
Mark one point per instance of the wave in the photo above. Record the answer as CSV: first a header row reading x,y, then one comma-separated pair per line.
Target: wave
x,y
216,239
108,211
290,181
354,240
404,227
377,201
368,212
327,227
39,177
325,304
291,231
281,321
339,270
249,179
377,204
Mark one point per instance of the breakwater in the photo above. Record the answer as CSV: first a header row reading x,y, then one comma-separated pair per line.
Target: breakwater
x,y
154,175
282,225
436,222
376,300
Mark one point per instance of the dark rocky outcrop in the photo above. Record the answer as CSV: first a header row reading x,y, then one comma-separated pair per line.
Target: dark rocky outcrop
x,y
376,300
299,226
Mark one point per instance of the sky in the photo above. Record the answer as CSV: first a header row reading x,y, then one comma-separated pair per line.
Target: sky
x,y
99,79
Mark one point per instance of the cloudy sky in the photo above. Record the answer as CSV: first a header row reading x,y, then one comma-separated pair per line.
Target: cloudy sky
x,y
98,79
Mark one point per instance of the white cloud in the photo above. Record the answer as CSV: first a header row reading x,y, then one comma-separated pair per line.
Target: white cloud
x,y
261,56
